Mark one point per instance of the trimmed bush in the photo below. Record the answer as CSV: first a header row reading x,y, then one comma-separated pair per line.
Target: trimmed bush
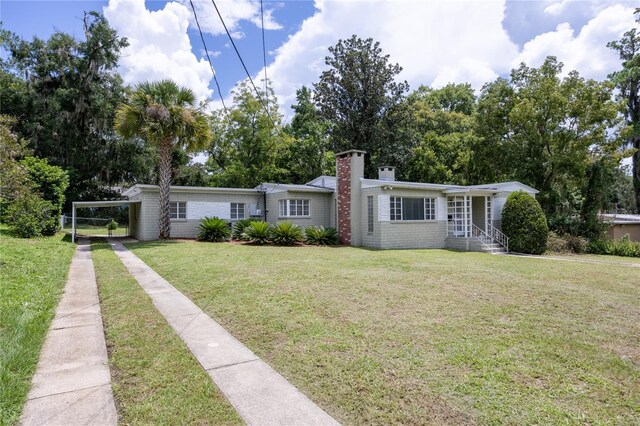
x,y
286,234
213,229
31,216
258,232
622,247
524,223
321,236
566,243
239,227
557,244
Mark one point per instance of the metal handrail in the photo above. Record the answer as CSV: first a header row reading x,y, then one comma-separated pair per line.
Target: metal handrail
x,y
476,232
498,236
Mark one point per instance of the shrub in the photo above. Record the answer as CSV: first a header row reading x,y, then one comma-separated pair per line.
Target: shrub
x,y
557,244
566,243
30,216
576,244
112,226
286,234
258,232
213,229
321,236
622,247
239,227
524,223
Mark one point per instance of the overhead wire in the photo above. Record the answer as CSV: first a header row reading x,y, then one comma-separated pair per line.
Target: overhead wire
x,y
206,50
264,49
243,64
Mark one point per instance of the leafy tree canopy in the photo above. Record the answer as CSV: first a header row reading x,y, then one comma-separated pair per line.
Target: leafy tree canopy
x,y
360,97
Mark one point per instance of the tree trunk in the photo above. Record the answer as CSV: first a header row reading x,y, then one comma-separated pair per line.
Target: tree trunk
x,y
635,172
164,172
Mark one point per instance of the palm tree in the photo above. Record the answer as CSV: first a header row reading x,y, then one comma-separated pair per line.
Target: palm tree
x,y
164,115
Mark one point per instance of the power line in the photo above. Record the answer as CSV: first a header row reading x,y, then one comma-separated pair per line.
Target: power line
x,y
243,64
264,49
195,15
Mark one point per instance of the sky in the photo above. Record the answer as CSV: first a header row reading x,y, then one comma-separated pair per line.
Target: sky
x,y
435,41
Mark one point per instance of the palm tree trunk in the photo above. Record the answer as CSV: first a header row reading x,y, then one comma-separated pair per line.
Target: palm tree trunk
x,y
164,172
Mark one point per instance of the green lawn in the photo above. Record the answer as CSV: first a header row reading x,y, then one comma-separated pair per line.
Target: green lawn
x,y
426,336
32,277
155,378
89,230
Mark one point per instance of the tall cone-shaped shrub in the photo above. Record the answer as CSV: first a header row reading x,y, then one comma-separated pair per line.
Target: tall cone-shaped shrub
x,y
524,222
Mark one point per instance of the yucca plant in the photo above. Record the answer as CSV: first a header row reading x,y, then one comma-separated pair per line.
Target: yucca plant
x,y
258,232
321,236
286,234
213,229
239,228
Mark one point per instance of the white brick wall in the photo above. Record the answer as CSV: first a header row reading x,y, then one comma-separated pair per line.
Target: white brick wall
x,y
384,208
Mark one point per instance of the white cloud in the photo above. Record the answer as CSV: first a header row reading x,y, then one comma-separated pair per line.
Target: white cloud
x,y
233,12
587,51
159,47
557,7
435,42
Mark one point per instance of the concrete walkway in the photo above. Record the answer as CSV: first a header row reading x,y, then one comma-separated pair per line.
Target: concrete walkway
x,y
72,385
259,394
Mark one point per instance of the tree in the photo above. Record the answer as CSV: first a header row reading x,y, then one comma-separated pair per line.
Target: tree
x,y
165,116
308,155
443,126
14,180
63,93
248,141
544,131
627,80
361,99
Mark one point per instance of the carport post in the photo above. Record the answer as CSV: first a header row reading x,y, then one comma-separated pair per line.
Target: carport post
x,y
73,222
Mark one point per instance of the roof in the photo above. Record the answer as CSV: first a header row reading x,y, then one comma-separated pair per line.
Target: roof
x,y
506,186
323,181
621,219
135,189
372,183
108,203
277,187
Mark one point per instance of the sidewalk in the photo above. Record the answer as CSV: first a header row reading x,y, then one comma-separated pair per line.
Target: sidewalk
x,y
72,385
259,394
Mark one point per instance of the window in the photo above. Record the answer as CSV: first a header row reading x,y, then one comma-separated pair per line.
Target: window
x,y
178,210
237,211
430,208
405,208
396,208
370,214
293,208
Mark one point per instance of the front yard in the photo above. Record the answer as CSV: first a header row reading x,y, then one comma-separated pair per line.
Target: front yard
x,y
426,336
32,278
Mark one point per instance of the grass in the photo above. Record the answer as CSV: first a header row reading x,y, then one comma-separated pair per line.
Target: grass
x,y
89,230
32,277
426,336
155,378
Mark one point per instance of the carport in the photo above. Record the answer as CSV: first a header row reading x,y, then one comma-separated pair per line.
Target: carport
x,y
98,204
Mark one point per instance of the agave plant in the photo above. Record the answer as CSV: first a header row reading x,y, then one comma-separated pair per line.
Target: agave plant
x,y
258,232
213,229
321,236
286,234
239,228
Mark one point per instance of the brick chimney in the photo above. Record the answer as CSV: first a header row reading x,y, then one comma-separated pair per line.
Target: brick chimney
x,y
387,173
349,170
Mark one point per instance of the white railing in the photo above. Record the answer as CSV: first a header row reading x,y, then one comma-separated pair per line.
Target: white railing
x,y
498,236
480,235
